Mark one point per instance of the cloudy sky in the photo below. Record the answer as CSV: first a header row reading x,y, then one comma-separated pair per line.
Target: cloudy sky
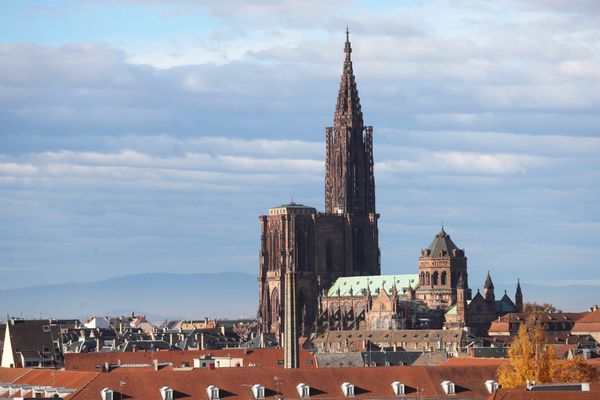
x,y
148,135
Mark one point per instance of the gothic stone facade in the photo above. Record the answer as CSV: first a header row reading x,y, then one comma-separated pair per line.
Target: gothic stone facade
x,y
320,247
439,296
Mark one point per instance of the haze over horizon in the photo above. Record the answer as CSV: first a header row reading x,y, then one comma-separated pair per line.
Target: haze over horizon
x,y
148,135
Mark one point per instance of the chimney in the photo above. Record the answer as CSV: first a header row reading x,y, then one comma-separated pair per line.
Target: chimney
x,y
290,341
98,344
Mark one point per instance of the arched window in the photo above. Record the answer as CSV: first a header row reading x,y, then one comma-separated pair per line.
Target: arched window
x,y
443,280
435,278
422,279
275,251
274,307
428,279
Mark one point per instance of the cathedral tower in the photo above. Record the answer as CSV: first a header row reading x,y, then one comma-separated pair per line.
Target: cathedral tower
x,y
321,247
440,267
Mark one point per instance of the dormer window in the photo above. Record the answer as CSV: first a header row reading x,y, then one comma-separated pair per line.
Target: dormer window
x,y
106,394
347,389
398,388
166,393
212,392
491,385
303,390
258,391
449,387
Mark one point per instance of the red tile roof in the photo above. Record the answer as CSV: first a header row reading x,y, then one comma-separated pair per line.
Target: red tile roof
x,y
67,379
588,323
258,357
593,316
8,375
499,326
524,394
369,383
45,377
473,361
325,383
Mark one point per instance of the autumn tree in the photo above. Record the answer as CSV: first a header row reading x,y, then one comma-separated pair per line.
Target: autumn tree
x,y
531,359
572,371
531,306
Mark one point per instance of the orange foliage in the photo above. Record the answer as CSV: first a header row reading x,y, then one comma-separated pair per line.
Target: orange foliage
x,y
530,358
572,371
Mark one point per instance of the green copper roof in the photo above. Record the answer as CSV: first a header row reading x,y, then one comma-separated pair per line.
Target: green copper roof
x,y
504,305
375,282
452,310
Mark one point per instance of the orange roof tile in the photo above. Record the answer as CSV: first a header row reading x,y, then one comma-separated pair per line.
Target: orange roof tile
x,y
473,361
45,377
8,375
324,383
258,357
593,316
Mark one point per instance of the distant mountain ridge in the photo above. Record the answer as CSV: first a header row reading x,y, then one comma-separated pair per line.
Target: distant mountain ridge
x,y
162,295
214,295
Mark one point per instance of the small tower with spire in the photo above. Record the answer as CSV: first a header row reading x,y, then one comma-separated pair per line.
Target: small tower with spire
x,y
488,290
519,297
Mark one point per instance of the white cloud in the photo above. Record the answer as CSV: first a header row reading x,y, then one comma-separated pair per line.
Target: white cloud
x,y
14,169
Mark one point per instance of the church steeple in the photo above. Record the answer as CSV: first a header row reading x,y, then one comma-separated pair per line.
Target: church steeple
x,y
349,181
519,297
488,290
347,111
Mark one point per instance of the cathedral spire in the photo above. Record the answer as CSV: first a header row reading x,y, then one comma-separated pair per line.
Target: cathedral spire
x,y
349,180
488,282
348,113
519,297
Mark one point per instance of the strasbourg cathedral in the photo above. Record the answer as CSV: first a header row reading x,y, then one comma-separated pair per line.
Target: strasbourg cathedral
x,y
334,256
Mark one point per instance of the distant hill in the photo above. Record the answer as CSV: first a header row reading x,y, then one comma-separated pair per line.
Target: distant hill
x,y
158,295
224,295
